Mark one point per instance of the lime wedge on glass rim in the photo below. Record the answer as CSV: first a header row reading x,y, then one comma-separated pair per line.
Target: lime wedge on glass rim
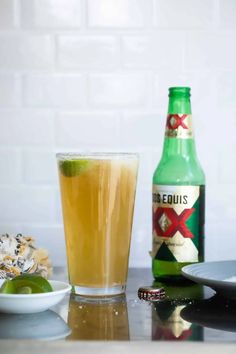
x,y
26,284
73,167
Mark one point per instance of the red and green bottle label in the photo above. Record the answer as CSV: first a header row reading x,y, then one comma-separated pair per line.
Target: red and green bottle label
x,y
179,126
178,223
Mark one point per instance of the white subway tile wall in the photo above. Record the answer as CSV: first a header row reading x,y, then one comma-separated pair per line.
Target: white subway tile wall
x,y
153,51
7,14
120,90
88,52
87,130
10,160
227,9
25,51
10,90
119,13
184,13
51,14
23,128
213,50
93,74
54,90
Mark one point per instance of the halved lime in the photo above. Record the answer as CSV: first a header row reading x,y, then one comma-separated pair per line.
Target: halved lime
x,y
35,284
26,284
8,287
71,168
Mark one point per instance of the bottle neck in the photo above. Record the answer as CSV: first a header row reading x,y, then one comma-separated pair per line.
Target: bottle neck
x,y
179,105
179,138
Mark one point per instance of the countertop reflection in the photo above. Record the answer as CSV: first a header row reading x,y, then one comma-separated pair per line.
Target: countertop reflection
x,y
190,312
102,320
46,325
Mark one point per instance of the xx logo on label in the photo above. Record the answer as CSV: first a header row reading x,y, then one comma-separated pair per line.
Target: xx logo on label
x,y
174,121
167,222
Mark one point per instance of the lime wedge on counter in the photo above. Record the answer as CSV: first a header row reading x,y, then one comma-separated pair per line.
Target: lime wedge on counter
x,y
26,284
71,168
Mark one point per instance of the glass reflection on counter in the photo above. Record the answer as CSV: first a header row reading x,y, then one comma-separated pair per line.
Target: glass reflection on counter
x,y
98,320
46,325
167,322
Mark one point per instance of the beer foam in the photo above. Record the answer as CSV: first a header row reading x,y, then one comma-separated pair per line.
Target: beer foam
x,y
97,156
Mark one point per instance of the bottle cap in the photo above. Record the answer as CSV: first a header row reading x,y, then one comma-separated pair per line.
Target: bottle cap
x,y
151,294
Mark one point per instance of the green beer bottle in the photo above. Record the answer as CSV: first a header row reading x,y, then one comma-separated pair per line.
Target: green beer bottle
x,y
178,194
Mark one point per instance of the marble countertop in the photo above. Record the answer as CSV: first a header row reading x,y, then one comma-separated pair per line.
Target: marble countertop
x,y
191,318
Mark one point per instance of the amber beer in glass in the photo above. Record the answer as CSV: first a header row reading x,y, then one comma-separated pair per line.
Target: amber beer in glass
x,y
98,194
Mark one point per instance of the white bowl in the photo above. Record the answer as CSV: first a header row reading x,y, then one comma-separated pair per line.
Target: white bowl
x,y
32,303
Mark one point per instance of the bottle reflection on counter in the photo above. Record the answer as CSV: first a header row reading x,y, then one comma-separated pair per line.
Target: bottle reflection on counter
x,y
167,323
103,320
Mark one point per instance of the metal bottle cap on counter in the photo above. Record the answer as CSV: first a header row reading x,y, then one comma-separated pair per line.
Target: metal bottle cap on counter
x,y
151,294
